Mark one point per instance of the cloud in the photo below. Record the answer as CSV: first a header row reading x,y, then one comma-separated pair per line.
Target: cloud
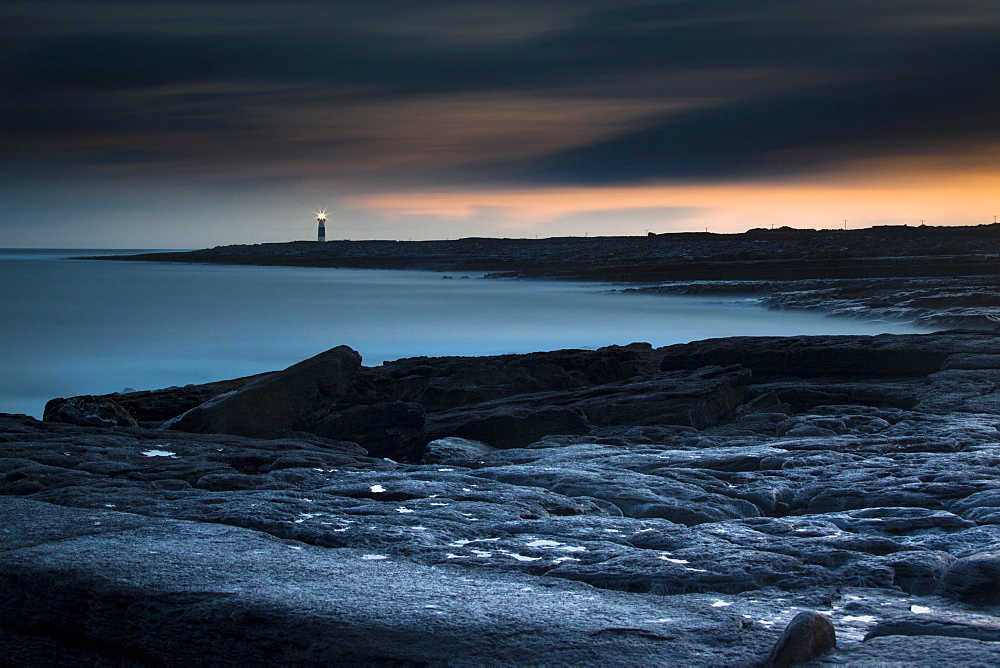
x,y
893,114
453,93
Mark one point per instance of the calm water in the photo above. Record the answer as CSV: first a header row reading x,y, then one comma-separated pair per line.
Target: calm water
x,y
89,327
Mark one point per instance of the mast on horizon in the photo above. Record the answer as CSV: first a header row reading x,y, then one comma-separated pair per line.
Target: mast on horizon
x,y
321,229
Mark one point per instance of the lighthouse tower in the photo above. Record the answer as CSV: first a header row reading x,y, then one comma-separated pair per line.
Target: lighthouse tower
x,y
321,230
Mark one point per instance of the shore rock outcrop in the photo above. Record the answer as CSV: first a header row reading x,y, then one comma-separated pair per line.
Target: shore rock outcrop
x,y
699,399
395,409
89,411
884,356
969,302
276,403
445,383
869,497
151,408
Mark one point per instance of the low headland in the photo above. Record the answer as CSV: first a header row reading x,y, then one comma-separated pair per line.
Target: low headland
x,y
929,276
743,501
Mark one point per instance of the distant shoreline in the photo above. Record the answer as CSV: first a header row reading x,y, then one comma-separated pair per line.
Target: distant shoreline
x,y
937,277
782,254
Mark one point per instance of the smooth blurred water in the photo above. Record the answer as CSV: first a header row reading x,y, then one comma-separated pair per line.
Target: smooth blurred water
x,y
72,327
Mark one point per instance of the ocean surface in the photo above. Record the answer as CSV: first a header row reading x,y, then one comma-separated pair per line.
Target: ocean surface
x,y
72,327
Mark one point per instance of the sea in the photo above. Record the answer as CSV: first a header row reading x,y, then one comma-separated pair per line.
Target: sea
x,y
83,326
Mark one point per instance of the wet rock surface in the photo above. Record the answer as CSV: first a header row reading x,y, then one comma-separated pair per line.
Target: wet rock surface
x,y
931,302
755,479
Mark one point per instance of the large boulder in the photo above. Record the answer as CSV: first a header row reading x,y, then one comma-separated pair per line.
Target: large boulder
x,y
88,411
293,399
806,637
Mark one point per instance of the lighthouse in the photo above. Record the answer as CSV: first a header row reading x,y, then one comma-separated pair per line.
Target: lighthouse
x,y
321,229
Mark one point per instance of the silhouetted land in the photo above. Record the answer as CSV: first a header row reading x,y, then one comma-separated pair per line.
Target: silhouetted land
x,y
781,254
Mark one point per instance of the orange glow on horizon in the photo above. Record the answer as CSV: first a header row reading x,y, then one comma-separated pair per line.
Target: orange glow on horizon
x,y
891,198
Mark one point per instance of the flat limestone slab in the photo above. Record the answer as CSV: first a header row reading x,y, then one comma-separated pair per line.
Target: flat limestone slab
x,y
79,586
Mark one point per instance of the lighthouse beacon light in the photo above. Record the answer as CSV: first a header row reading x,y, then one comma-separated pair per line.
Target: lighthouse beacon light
x,y
321,226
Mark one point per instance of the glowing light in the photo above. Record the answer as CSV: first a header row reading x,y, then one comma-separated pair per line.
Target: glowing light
x,y
321,216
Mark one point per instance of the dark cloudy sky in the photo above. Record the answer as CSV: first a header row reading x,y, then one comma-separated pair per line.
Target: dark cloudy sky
x,y
184,124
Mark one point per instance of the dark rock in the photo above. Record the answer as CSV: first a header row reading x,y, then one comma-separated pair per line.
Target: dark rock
x,y
698,399
729,571
507,426
806,637
453,450
973,361
981,507
88,411
634,494
807,396
226,482
295,398
154,407
937,303
920,571
449,382
889,520
965,391
921,626
923,651
701,399
391,429
975,578
810,357
151,408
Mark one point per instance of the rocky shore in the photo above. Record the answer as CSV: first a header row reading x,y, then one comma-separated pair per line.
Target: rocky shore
x,y
971,302
782,254
729,502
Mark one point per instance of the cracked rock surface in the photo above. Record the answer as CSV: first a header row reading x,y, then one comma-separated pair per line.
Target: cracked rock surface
x,y
626,506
